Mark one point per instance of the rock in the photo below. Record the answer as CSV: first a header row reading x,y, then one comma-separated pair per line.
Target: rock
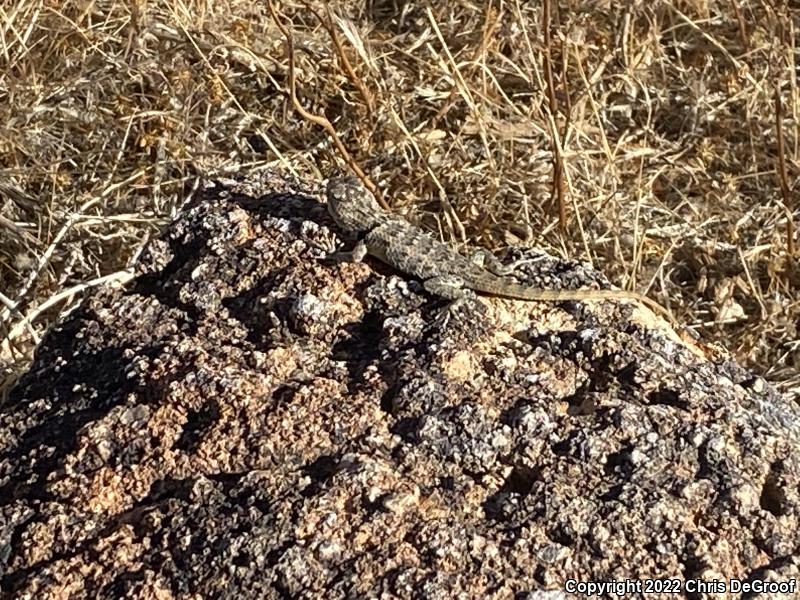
x,y
248,420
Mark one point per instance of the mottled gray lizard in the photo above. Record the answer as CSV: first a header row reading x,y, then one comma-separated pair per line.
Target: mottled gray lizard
x,y
443,271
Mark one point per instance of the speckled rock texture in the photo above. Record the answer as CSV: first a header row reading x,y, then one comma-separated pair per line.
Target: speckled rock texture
x,y
248,420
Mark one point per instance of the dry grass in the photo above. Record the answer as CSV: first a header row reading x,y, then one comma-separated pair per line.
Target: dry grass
x,y
661,117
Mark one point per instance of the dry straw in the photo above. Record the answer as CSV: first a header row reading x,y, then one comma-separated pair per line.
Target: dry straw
x,y
657,140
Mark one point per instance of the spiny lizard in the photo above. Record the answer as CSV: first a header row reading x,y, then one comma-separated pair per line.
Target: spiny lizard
x,y
443,271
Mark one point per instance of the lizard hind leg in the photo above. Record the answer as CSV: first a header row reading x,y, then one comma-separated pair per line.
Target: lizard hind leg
x,y
486,260
447,286
452,288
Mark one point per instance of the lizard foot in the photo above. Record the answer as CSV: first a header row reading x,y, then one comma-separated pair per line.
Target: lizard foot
x,y
452,288
357,254
460,310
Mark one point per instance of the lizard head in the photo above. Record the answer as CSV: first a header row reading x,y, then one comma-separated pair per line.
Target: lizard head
x,y
352,206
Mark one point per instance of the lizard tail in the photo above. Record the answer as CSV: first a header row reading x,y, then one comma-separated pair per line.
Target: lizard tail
x,y
521,292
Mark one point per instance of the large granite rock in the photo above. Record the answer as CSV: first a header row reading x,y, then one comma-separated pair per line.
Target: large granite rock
x,y
248,420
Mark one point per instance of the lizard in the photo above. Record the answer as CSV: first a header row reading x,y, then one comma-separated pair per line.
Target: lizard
x,y
443,271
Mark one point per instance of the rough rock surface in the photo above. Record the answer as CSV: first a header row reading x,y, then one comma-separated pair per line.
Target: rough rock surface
x,y
248,420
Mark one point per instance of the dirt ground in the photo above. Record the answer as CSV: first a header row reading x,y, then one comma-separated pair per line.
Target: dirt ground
x,y
656,140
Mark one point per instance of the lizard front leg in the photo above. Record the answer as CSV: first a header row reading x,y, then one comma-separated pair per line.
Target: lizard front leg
x,y
357,254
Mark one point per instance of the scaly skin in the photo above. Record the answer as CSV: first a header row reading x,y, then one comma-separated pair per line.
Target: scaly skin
x,y
443,271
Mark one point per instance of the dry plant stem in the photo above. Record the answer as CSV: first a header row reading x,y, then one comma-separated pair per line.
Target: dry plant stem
x,y
464,89
449,212
196,45
712,40
327,24
740,21
565,84
782,176
243,56
490,23
120,277
316,119
43,261
558,161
